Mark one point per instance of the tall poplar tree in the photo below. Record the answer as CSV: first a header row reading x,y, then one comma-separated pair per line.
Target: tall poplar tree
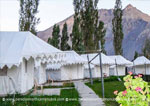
x,y
91,29
28,20
77,36
146,49
55,40
89,21
100,36
136,55
117,28
64,39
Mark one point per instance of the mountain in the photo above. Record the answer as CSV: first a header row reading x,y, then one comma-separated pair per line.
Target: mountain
x,y
136,28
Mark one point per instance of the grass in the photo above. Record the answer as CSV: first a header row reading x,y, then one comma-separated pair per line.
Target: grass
x,y
68,84
68,97
146,78
110,87
111,78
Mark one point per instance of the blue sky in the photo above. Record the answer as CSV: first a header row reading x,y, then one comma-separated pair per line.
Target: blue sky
x,y
53,11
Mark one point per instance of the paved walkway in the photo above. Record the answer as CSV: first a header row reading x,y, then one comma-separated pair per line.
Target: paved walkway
x,y
54,84
50,91
47,91
88,96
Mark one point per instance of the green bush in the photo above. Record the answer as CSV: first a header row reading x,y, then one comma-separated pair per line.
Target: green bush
x,y
111,78
137,92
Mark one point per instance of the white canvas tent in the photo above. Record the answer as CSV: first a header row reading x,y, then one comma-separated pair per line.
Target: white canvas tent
x,y
20,54
86,70
70,70
120,65
142,65
106,62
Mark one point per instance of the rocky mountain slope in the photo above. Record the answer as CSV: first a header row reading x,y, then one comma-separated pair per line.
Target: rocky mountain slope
x,y
136,28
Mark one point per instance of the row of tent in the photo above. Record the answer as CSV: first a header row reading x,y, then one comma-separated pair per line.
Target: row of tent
x,y
111,66
25,60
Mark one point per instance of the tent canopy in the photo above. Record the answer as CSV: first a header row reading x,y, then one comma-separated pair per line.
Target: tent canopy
x,y
141,61
120,60
14,46
71,57
105,59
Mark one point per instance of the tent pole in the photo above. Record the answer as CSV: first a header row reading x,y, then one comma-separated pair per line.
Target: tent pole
x,y
93,58
116,67
134,67
145,70
90,70
102,80
117,70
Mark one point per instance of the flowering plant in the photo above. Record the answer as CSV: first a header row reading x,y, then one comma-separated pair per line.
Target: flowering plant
x,y
137,92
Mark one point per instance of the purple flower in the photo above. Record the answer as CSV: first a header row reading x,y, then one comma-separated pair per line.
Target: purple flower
x,y
138,89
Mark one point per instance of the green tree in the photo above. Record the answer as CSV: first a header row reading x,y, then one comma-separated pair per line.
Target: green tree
x,y
89,28
55,40
146,50
28,10
136,55
77,36
117,28
89,21
100,36
77,39
64,39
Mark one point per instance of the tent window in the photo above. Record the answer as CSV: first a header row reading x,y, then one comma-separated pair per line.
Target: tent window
x,y
3,71
26,68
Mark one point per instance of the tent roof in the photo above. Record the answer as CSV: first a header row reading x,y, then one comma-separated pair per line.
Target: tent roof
x,y
14,46
141,61
105,59
71,57
120,60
